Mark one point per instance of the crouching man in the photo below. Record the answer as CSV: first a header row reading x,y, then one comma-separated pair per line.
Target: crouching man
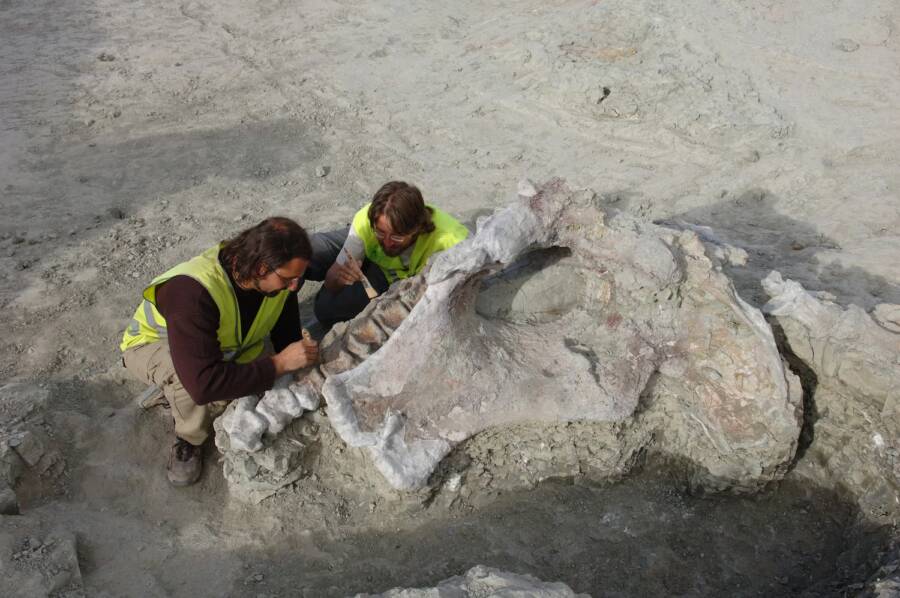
x,y
390,238
198,334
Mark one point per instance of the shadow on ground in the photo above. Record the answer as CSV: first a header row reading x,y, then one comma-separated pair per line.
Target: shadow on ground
x,y
640,537
85,181
776,242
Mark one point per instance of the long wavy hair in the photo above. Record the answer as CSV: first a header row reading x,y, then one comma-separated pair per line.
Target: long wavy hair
x,y
404,207
268,245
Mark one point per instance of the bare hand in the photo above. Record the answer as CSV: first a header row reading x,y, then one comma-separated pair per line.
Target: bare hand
x,y
341,275
296,356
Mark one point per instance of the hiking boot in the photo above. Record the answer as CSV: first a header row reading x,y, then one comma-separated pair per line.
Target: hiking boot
x,y
185,463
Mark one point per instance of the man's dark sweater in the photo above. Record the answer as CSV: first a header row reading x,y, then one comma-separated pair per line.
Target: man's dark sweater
x,y
192,320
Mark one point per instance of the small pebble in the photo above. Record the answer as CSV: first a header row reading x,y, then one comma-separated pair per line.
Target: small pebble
x,y
321,171
846,45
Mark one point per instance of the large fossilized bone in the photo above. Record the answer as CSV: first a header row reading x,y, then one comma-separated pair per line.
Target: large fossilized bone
x,y
345,347
263,450
618,311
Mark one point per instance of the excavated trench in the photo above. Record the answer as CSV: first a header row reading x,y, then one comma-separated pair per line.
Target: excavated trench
x,y
646,534
642,536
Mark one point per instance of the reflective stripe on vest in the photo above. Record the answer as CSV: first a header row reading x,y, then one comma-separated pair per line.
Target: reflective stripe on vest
x,y
447,233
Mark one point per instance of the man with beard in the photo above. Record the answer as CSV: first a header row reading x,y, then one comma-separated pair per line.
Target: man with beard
x,y
198,335
390,239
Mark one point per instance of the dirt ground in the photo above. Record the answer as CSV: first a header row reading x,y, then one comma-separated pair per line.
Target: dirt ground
x,y
135,134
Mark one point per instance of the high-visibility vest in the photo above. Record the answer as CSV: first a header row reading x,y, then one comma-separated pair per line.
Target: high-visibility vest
x,y
149,326
447,233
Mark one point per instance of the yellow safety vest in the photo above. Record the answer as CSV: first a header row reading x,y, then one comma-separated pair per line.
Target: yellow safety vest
x,y
447,233
149,326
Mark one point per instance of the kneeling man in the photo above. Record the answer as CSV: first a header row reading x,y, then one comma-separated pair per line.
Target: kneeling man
x,y
390,238
198,335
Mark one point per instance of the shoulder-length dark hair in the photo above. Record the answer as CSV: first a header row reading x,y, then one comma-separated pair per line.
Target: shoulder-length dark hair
x,y
268,245
404,207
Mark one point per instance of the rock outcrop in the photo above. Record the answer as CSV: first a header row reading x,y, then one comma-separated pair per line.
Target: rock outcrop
x,y
24,441
852,368
41,566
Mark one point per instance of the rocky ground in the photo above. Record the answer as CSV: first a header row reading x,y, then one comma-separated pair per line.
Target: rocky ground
x,y
134,135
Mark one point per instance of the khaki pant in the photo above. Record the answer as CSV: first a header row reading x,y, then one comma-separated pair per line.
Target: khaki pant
x,y
152,363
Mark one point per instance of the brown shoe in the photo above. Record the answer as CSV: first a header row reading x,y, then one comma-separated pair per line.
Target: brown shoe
x,y
185,463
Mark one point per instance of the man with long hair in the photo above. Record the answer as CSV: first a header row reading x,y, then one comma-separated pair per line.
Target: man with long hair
x,y
390,238
199,333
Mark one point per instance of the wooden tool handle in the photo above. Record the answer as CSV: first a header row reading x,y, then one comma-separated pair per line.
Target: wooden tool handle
x,y
371,293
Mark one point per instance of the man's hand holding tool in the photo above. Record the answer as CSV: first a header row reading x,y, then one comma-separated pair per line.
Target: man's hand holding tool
x,y
297,356
360,276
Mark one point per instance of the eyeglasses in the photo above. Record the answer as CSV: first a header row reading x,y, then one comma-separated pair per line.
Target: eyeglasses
x,y
394,238
287,281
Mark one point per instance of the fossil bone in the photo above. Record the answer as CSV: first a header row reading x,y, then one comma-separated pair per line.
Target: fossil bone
x,y
590,317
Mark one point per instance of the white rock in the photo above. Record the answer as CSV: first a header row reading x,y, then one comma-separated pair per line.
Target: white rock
x,y
485,581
